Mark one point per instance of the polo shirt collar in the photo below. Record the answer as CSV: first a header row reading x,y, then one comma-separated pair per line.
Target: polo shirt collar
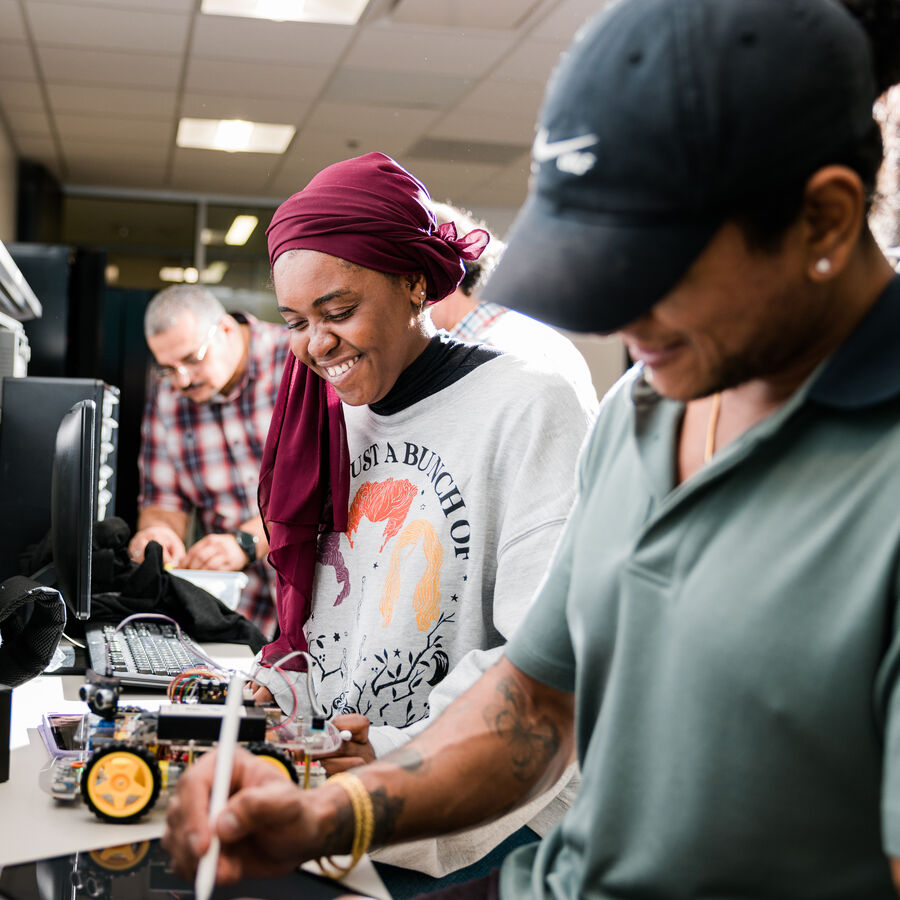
x,y
865,369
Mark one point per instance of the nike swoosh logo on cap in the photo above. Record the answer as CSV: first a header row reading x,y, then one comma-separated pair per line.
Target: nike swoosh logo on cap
x,y
542,150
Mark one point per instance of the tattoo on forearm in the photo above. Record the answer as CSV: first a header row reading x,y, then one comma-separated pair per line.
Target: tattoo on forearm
x,y
339,839
533,742
387,811
408,759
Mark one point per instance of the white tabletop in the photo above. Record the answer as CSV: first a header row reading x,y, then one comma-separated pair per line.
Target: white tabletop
x,y
34,825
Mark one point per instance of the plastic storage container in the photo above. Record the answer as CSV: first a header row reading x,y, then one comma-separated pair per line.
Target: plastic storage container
x,y
225,586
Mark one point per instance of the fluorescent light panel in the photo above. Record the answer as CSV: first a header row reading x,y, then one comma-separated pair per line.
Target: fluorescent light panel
x,y
241,229
234,135
212,274
336,12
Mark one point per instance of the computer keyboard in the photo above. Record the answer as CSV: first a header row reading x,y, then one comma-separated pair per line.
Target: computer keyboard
x,y
142,654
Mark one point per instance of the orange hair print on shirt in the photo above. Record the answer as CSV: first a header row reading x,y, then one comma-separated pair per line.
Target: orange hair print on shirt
x,y
427,596
381,501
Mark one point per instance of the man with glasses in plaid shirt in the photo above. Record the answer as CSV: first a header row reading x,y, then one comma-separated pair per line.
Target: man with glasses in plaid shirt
x,y
204,429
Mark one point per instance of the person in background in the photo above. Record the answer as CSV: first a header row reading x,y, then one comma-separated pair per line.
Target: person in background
x,y
204,429
465,317
718,631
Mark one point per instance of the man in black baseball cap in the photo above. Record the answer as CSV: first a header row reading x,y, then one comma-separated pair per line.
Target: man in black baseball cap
x,y
662,121
717,635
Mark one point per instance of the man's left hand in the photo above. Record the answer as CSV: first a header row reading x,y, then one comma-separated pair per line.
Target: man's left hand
x,y
219,552
354,752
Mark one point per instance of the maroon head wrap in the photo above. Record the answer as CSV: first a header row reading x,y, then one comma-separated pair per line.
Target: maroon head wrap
x,y
372,212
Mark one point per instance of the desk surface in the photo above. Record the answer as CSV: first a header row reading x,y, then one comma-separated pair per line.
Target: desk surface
x,y
34,825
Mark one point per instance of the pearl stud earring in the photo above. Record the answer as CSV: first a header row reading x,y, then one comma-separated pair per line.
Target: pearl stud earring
x,y
823,266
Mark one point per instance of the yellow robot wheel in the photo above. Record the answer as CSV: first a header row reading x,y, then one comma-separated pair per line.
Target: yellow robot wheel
x,y
120,782
277,758
121,859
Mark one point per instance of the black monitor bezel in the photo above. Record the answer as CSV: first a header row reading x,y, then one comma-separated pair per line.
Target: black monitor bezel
x,y
73,492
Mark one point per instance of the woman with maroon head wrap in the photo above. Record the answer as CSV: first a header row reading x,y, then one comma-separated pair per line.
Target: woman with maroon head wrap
x,y
412,486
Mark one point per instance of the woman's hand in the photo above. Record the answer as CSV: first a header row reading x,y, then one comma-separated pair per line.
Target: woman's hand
x,y
262,696
353,752
267,826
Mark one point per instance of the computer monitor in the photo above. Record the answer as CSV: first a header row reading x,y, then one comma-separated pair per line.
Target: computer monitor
x,y
72,492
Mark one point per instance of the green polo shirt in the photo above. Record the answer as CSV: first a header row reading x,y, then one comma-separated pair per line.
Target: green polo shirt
x,y
732,644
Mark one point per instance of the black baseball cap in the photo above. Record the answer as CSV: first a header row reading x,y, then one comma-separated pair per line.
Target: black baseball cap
x,y
662,118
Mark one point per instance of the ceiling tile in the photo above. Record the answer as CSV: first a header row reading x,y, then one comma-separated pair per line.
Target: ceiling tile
x,y
508,98
76,24
475,152
449,182
182,6
255,80
229,173
214,181
124,173
562,23
126,153
39,149
28,121
16,62
234,37
65,64
21,95
311,153
531,61
424,91
354,120
505,14
506,188
485,127
253,108
401,50
11,25
112,101
153,133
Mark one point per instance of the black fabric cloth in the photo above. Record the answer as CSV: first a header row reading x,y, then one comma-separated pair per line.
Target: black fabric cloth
x,y
442,363
484,888
32,618
121,587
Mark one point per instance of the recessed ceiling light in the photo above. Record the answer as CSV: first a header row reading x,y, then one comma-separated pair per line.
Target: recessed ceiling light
x,y
234,135
337,12
240,230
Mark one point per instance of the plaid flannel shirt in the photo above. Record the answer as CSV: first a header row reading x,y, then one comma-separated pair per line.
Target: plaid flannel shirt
x,y
470,327
206,456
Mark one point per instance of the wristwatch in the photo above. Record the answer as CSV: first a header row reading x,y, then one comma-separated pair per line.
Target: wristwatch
x,y
247,542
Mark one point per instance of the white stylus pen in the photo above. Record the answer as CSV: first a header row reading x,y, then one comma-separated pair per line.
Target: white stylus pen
x,y
206,870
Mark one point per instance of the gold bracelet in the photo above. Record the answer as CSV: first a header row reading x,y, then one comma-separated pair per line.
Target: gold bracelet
x,y
363,823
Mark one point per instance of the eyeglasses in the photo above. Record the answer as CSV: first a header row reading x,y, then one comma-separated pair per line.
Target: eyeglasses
x,y
190,362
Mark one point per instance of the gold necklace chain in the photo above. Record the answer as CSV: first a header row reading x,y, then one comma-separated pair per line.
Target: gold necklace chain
x,y
712,426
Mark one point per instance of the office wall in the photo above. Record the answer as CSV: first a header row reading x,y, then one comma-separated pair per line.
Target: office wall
x,y
7,186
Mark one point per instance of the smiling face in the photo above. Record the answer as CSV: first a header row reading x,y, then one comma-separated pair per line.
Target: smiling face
x,y
356,328
737,315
